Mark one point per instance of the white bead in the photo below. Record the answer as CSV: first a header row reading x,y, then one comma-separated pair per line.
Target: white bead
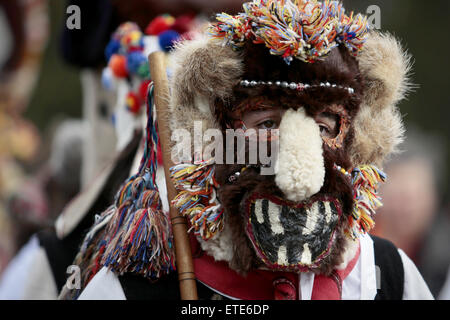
x,y
293,86
284,84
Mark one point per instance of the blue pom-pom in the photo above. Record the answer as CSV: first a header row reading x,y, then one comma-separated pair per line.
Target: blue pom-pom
x,y
134,61
108,81
167,39
112,48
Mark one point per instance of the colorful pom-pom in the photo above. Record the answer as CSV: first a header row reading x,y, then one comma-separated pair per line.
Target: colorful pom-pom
x,y
133,103
113,47
124,29
158,25
132,41
167,39
182,24
169,18
118,66
144,71
108,81
134,61
143,89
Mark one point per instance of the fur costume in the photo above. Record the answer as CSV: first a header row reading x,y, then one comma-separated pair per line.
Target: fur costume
x,y
376,128
298,233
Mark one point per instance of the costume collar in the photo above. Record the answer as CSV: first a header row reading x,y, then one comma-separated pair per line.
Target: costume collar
x,y
266,285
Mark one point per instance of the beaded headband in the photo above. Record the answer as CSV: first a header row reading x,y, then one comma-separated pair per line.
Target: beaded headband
x,y
294,85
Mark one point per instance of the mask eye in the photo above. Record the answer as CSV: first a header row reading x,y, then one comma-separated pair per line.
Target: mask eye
x,y
264,119
328,124
268,124
324,130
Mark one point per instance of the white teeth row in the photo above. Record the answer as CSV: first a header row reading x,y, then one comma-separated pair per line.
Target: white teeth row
x,y
294,85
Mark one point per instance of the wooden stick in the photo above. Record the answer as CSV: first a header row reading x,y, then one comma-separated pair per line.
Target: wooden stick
x,y
183,254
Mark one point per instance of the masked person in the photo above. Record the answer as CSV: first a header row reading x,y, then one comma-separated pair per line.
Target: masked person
x,y
321,89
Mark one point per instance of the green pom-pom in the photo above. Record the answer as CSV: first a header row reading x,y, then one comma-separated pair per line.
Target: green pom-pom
x,y
144,71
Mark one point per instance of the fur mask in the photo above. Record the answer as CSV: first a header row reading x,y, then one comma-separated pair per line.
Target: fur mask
x,y
305,217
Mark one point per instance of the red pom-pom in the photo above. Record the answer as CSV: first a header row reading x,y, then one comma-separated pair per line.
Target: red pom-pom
x,y
133,103
183,24
118,65
157,26
143,88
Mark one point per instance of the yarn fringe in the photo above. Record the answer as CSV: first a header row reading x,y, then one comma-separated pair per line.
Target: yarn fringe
x,y
134,234
304,29
140,240
197,198
365,180
139,234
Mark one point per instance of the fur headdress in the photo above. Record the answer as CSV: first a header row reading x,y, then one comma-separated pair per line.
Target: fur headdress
x,y
205,71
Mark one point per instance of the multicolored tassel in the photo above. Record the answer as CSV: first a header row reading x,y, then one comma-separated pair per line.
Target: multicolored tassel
x,y
139,235
197,198
365,181
304,29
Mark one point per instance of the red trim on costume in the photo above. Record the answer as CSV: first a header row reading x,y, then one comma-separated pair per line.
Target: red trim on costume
x,y
330,288
261,284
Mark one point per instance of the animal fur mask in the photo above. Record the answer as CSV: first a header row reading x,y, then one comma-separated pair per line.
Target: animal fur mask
x,y
323,193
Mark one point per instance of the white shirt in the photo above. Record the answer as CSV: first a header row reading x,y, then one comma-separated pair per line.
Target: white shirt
x,y
106,286
29,275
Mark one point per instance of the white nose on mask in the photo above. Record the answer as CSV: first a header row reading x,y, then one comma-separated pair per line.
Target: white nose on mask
x,y
300,169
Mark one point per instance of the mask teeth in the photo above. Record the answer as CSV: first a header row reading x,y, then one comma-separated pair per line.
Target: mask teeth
x,y
294,85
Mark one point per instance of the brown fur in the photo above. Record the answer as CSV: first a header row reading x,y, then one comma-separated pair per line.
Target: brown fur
x,y
204,68
209,73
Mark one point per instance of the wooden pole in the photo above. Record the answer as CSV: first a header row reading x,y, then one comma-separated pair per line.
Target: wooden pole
x,y
183,254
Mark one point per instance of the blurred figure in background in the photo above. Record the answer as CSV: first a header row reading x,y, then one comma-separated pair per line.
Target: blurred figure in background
x,y
39,270
85,49
411,217
23,36
35,205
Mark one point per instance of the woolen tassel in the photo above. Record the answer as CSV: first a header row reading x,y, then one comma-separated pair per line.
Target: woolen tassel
x,y
365,180
197,198
139,237
144,246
